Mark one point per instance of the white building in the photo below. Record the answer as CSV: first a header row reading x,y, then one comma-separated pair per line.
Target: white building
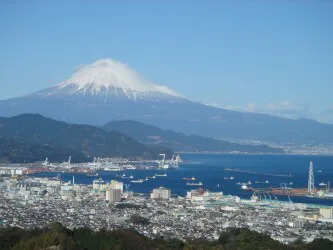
x,y
113,195
99,184
161,193
116,185
326,213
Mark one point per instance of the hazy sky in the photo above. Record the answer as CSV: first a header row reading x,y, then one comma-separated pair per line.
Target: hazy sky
x,y
257,56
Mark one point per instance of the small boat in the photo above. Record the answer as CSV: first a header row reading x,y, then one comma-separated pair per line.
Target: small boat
x,y
128,177
218,185
194,183
249,182
151,177
244,186
137,181
189,178
229,178
322,184
263,182
290,183
238,183
92,174
161,175
319,171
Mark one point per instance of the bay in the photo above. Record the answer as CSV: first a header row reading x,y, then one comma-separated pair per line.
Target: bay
x,y
210,169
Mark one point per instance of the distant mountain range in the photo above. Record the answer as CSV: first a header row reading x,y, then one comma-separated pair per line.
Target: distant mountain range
x,y
107,90
85,140
152,135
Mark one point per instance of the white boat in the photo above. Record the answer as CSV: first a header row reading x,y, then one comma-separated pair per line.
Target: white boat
x,y
244,186
161,175
322,184
229,178
263,182
137,181
92,174
319,171
128,177
194,183
249,182
218,185
112,169
238,183
188,178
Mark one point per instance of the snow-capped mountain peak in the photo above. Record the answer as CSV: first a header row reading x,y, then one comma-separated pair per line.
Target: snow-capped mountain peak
x,y
109,76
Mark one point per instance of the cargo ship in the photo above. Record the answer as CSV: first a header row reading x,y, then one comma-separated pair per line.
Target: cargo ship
x,y
194,183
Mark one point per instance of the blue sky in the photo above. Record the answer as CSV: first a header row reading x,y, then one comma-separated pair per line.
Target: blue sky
x,y
257,56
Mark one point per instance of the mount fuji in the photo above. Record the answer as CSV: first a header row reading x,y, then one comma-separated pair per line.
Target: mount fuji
x,y
108,90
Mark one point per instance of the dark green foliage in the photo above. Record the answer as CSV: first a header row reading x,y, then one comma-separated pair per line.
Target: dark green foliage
x,y
320,244
89,140
247,239
55,236
12,151
152,135
127,205
137,219
9,237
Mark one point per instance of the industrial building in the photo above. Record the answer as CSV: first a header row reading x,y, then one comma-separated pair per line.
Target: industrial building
x,y
161,193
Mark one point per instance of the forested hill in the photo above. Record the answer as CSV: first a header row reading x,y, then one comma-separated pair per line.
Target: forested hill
x,y
89,140
12,151
58,237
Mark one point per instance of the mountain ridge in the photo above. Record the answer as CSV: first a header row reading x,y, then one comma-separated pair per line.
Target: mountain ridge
x,y
152,135
90,140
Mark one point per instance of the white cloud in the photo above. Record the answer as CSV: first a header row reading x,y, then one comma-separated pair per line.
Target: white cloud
x,y
287,109
284,108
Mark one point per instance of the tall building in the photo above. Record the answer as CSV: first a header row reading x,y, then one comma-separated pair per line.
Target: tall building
x,y
116,185
113,195
161,193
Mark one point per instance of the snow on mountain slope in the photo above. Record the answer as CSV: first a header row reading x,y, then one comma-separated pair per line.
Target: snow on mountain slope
x,y
107,78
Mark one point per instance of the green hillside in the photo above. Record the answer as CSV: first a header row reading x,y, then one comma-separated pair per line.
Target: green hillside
x,y
12,151
57,236
89,140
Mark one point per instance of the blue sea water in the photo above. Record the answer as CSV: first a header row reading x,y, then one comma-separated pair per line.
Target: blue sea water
x,y
209,168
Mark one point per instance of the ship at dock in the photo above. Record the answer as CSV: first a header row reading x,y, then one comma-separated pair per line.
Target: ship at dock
x,y
169,164
322,192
